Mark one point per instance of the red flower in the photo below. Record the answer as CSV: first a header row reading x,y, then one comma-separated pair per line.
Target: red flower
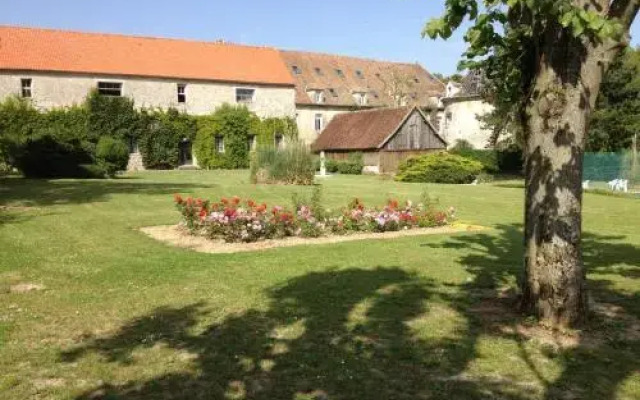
x,y
215,206
229,212
251,203
203,213
199,202
224,201
236,200
261,208
177,198
189,201
393,204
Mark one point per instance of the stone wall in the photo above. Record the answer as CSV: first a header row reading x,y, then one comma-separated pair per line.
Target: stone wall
x,y
460,121
305,118
50,90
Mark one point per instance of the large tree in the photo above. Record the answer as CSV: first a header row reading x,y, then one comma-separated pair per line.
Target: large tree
x,y
545,61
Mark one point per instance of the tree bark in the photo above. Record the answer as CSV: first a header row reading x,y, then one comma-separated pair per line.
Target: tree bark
x,y
556,118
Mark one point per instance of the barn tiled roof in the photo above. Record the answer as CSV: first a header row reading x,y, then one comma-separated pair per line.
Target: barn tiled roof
x,y
340,77
30,49
362,130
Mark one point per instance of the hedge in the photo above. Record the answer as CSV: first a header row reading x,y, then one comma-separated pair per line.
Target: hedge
x,y
68,137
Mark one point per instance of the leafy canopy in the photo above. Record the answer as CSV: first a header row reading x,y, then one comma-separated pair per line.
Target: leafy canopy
x,y
505,34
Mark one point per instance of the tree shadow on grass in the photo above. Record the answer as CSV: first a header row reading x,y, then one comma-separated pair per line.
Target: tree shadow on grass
x,y
36,192
335,335
361,334
595,360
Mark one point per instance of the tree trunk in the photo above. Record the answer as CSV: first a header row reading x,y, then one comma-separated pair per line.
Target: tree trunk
x,y
556,121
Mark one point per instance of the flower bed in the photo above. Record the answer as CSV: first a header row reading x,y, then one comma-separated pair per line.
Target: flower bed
x,y
244,221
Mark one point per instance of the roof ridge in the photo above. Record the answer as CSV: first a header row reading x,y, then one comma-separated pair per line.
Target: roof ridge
x,y
220,42
370,59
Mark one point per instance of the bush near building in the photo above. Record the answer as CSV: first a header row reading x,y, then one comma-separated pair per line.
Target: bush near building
x,y
440,167
63,142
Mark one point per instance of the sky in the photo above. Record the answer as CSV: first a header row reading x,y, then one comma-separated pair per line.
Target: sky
x,y
379,29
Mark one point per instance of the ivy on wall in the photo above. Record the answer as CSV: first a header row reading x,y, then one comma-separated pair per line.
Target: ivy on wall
x,y
235,126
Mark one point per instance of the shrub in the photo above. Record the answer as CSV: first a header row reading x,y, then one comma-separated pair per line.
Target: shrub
x,y
440,167
46,156
160,135
111,116
112,155
353,165
291,165
18,121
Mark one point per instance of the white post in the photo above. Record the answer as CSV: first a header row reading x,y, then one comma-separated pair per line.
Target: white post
x,y
323,165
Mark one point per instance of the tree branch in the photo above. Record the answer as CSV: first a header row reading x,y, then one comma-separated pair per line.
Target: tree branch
x,y
624,10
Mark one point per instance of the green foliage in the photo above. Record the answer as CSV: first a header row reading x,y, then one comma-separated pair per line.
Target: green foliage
x,y
291,165
488,158
111,116
46,156
160,135
617,115
353,165
233,124
504,39
112,154
440,167
18,121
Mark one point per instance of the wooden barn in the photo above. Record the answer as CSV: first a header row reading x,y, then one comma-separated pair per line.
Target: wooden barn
x,y
384,136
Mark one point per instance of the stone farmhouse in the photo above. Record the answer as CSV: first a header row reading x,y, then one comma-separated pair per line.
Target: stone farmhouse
x,y
56,68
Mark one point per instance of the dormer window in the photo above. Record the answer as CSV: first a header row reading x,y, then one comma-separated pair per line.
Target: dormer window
x,y
296,70
359,74
339,72
318,71
360,98
317,96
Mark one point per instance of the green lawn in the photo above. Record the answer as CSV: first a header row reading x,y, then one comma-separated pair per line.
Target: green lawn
x,y
124,317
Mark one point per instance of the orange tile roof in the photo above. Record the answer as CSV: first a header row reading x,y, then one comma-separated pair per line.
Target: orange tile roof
x,y
379,79
32,49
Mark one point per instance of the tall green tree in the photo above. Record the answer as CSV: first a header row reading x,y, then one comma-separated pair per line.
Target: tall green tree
x,y
616,118
545,61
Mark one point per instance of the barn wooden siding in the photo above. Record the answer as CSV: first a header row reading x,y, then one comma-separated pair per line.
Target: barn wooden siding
x,y
415,134
389,160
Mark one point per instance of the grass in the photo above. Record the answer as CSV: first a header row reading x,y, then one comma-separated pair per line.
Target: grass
x,y
125,317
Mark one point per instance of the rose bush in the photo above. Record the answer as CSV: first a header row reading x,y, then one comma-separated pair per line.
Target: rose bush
x,y
236,220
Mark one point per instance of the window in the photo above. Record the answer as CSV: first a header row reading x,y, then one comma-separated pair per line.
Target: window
x,y
278,140
296,69
360,98
25,85
244,96
318,96
110,89
339,72
252,142
416,80
219,142
182,93
319,123
359,74
333,92
318,71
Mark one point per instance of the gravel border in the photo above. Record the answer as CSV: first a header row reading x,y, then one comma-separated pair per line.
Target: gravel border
x,y
176,236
